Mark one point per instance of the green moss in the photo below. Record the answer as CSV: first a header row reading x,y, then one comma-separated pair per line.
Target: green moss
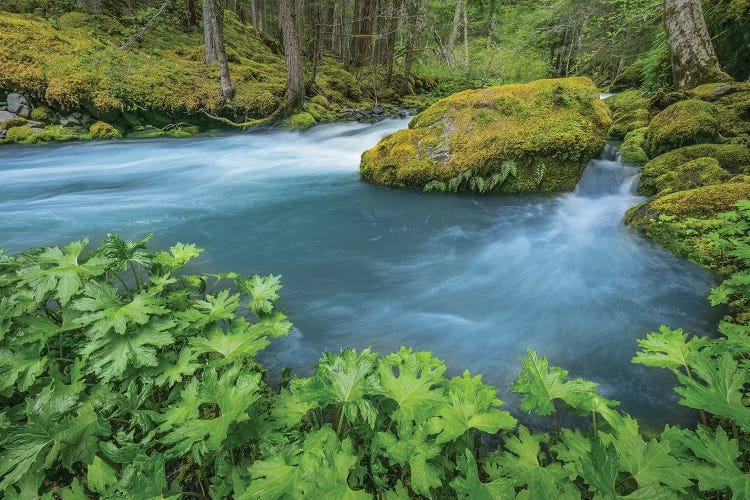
x,y
629,112
731,157
682,124
320,101
183,131
631,150
549,129
300,121
43,114
25,135
710,91
146,133
706,200
700,172
12,122
320,113
103,130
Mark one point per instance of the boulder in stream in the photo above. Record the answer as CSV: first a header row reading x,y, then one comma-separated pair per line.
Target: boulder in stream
x,y
523,138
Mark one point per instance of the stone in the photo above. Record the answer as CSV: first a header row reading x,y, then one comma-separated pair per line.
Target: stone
x,y
19,105
71,120
7,115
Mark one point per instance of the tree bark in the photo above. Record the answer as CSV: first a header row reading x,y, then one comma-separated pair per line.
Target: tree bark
x,y
454,29
694,61
192,14
213,35
254,14
412,15
362,32
295,84
466,39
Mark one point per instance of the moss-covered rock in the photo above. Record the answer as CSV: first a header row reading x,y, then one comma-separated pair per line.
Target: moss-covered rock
x,y
26,135
731,157
629,112
12,122
632,150
701,201
535,137
43,114
146,133
320,101
700,172
320,113
103,130
300,121
682,124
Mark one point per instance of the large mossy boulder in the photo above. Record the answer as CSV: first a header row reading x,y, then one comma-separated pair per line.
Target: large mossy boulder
x,y
735,158
632,150
682,124
534,137
701,172
629,112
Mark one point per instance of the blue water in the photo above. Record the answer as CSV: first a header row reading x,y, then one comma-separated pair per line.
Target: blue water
x,y
476,280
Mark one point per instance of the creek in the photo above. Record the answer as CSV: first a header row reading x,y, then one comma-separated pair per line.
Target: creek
x,y
476,280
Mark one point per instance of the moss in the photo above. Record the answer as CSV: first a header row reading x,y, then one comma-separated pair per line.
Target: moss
x,y
711,91
320,101
548,129
629,112
631,150
43,114
700,172
25,135
300,121
682,124
731,157
183,131
103,130
12,122
320,113
706,200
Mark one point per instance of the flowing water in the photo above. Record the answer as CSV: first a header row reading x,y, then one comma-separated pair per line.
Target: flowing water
x,y
476,280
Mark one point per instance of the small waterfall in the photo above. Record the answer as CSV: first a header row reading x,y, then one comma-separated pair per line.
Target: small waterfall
x,y
608,176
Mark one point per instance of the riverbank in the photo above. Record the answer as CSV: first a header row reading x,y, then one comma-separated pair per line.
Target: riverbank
x,y
82,76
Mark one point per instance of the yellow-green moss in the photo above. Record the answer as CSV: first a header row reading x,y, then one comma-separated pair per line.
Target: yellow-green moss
x,y
300,121
103,130
320,101
700,172
25,135
549,129
146,133
632,147
320,113
682,124
42,114
706,200
629,112
12,122
731,157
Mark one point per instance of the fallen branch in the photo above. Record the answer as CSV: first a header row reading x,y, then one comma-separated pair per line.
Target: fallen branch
x,y
248,124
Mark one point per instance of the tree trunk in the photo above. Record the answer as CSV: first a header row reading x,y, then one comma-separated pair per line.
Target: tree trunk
x,y
295,84
454,29
213,35
694,61
253,14
192,14
362,32
466,39
412,14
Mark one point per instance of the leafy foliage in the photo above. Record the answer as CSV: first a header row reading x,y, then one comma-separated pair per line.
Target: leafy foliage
x,y
125,376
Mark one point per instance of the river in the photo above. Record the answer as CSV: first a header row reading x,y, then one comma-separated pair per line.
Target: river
x,y
475,280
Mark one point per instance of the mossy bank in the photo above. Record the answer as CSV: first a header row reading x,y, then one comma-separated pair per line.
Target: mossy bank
x,y
534,137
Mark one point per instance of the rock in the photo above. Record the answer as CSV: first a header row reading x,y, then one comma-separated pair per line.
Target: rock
x,y
13,122
696,173
631,150
43,114
682,124
300,121
7,115
534,137
2,134
71,120
4,108
734,158
629,112
378,111
320,101
19,105
103,130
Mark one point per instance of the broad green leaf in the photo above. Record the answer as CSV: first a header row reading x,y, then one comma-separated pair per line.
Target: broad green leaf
x,y
59,271
20,369
121,252
596,465
177,256
468,485
110,354
649,462
416,449
346,380
667,349
100,476
289,408
720,390
470,405
273,478
408,378
175,368
722,468
263,292
104,311
242,341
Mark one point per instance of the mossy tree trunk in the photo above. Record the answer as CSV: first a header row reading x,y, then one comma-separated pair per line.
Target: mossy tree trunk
x,y
295,84
361,38
413,8
213,36
694,61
